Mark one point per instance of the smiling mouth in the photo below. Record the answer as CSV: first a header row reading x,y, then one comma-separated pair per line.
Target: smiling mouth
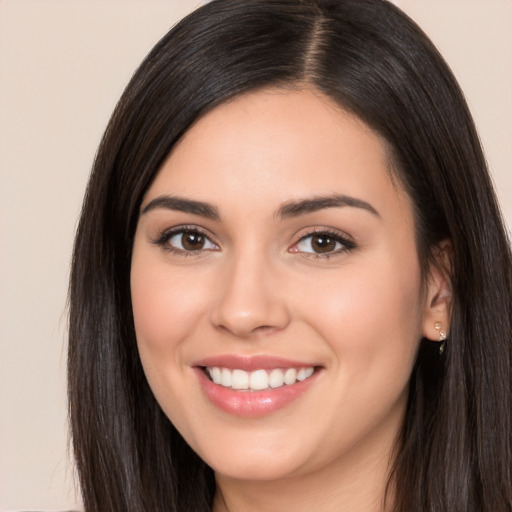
x,y
257,380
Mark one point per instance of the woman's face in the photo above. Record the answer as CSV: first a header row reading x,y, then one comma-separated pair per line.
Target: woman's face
x,y
276,255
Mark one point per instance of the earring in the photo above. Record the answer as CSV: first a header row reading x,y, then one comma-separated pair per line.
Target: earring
x,y
442,337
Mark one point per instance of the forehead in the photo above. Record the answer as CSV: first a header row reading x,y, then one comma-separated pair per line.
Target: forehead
x,y
271,146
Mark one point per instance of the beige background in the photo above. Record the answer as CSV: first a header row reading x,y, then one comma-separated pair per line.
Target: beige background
x,y
63,64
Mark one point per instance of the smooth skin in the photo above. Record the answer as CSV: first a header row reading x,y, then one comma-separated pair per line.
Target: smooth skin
x,y
338,287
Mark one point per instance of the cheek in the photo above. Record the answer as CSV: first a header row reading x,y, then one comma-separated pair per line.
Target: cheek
x,y
371,321
371,318
365,297
382,307
166,305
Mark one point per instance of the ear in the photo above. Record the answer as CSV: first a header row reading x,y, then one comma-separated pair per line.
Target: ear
x,y
438,301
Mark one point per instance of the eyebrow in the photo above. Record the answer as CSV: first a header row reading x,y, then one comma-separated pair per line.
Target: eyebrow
x,y
302,207
288,210
181,204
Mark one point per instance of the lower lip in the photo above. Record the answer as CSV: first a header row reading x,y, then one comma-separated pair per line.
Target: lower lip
x,y
253,404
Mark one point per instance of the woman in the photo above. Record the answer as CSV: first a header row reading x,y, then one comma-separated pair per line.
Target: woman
x,y
291,286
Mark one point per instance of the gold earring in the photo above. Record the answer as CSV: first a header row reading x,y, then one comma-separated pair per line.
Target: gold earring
x,y
442,337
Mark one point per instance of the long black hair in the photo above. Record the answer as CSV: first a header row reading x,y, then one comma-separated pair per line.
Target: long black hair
x,y
455,450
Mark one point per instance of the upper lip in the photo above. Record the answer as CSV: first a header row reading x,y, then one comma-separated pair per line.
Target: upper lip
x,y
251,363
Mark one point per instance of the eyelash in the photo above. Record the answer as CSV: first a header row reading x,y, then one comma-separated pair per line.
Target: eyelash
x,y
164,238
347,244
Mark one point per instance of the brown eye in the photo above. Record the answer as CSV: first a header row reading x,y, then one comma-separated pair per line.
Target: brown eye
x,y
322,243
192,241
188,241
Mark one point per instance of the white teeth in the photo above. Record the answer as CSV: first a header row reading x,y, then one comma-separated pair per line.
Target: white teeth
x,y
258,379
225,378
276,378
304,373
216,375
239,379
290,376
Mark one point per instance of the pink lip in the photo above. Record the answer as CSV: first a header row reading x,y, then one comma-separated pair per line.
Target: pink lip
x,y
247,403
251,363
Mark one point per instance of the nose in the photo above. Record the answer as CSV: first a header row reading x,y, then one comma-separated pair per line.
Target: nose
x,y
250,298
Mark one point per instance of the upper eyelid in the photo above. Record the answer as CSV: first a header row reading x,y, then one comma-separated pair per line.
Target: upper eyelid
x,y
166,234
340,237
337,233
186,227
300,235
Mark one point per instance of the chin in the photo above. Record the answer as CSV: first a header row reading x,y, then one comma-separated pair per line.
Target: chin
x,y
264,469
265,458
